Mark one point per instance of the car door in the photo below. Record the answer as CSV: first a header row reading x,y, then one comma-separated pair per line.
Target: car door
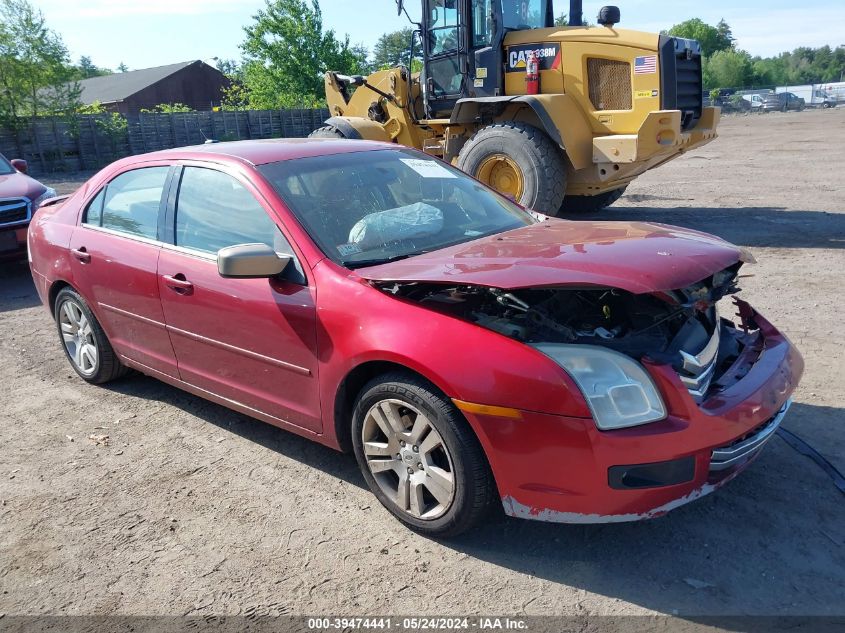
x,y
441,43
114,258
252,341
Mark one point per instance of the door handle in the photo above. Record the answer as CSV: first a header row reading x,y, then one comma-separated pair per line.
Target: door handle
x,y
177,283
81,254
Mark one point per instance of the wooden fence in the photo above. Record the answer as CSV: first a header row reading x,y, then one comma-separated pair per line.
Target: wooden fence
x,y
88,142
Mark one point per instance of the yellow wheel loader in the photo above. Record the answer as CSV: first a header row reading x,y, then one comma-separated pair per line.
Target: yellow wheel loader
x,y
561,119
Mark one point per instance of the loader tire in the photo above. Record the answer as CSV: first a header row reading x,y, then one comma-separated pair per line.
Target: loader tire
x,y
326,131
589,204
519,161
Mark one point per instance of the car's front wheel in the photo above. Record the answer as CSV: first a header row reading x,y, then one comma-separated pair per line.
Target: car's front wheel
x,y
85,344
419,456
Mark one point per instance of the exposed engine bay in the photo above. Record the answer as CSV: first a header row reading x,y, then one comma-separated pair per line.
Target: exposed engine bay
x,y
679,328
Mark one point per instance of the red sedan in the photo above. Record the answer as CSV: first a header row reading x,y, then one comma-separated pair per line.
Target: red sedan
x,y
377,300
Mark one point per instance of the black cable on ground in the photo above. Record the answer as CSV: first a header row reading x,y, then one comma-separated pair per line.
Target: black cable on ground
x,y
805,449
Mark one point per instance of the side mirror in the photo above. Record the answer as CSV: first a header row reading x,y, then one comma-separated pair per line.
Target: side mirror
x,y
21,165
250,261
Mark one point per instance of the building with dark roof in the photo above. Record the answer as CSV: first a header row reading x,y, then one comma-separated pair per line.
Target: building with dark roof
x,y
194,83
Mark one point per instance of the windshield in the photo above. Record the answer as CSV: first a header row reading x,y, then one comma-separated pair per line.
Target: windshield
x,y
5,166
524,14
367,208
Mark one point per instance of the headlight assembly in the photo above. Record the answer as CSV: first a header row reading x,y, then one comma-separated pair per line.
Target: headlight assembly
x,y
618,390
48,193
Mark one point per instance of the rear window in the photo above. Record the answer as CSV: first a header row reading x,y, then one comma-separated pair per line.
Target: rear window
x,y
132,202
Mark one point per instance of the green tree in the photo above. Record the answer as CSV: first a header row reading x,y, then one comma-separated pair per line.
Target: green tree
x,y
231,68
36,76
563,20
235,97
168,108
728,69
122,68
86,69
393,49
711,38
287,52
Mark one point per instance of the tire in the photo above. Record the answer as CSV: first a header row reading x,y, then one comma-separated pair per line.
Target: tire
x,y
590,204
79,329
524,148
435,458
326,131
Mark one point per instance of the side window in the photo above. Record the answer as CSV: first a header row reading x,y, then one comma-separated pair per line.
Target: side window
x,y
132,202
94,212
482,27
214,211
443,35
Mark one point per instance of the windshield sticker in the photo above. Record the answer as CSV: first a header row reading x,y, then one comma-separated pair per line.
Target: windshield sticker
x,y
428,168
346,250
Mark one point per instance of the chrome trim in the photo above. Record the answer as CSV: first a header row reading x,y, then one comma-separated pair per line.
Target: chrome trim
x,y
132,315
130,236
728,456
9,203
209,341
191,252
702,366
238,350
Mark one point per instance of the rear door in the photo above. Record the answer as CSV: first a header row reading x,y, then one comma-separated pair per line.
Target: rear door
x,y
114,255
252,341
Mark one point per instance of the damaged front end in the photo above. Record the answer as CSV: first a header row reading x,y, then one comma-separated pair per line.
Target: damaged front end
x,y
680,328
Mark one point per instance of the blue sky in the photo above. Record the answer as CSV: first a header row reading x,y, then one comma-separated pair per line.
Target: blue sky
x,y
144,33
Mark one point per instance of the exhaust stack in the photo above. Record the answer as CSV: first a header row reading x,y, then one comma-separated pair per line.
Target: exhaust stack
x,y
576,13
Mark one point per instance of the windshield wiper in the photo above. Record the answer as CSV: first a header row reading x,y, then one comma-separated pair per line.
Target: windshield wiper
x,y
363,263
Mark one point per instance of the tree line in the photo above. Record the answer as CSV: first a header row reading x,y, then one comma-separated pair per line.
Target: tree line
x,y
286,50
728,66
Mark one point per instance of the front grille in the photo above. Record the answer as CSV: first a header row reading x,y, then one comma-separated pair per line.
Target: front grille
x,y
610,84
696,371
681,78
14,210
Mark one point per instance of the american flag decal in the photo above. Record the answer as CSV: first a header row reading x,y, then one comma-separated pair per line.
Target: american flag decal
x,y
645,65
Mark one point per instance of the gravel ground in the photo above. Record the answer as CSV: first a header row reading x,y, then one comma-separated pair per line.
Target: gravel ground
x,y
188,508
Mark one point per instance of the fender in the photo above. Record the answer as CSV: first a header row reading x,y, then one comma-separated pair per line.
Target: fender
x,y
561,118
359,128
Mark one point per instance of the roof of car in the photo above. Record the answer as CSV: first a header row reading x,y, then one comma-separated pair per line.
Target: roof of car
x,y
261,152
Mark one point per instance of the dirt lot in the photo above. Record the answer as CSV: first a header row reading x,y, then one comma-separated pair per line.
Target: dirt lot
x,y
192,509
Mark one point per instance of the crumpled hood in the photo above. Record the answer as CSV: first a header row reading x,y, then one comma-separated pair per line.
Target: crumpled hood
x,y
17,185
635,256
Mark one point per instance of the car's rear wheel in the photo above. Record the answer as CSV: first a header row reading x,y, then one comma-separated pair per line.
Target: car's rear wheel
x,y
86,345
419,456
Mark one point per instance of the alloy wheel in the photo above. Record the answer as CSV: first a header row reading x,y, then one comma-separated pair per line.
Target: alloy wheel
x,y
408,459
78,338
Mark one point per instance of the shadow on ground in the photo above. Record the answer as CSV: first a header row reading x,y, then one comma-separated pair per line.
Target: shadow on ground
x,y
698,560
771,542
770,227
16,288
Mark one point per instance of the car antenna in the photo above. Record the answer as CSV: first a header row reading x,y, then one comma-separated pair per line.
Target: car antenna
x,y
208,141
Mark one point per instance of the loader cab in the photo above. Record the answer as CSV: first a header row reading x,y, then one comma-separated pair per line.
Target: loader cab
x,y
462,43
